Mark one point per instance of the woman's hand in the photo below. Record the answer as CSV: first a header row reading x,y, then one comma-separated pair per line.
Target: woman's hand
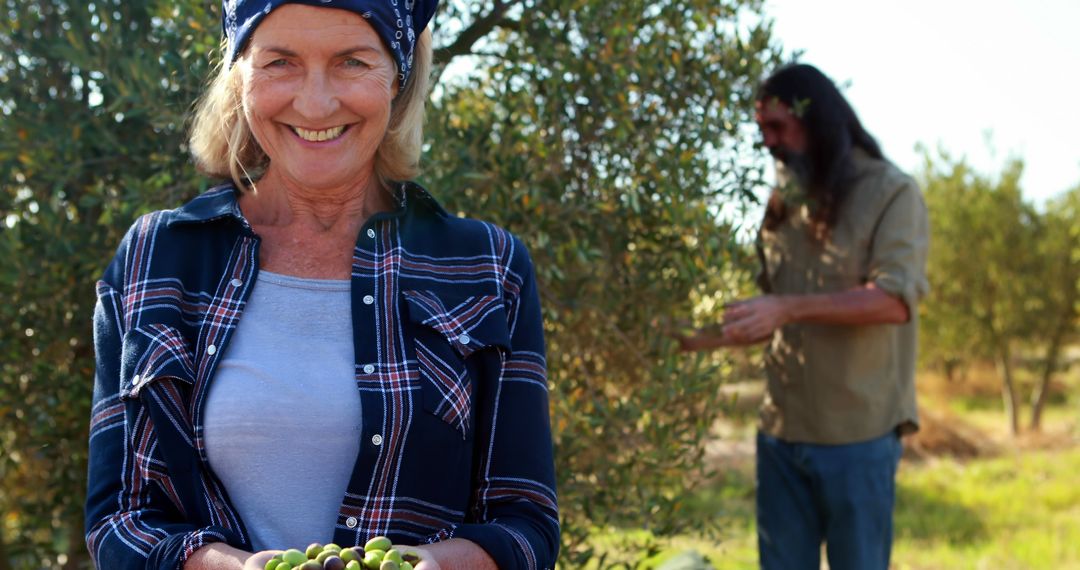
x,y
453,554
258,560
427,559
221,556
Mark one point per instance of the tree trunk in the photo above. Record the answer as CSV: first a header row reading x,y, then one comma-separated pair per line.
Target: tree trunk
x,y
1053,354
950,370
1008,388
5,564
78,556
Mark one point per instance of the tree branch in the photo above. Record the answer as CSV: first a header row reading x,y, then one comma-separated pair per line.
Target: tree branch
x,y
480,27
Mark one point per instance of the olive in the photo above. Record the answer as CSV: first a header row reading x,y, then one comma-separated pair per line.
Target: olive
x,y
333,563
373,559
378,543
313,550
294,557
349,554
394,555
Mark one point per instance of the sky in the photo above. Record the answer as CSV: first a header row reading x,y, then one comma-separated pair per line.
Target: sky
x,y
986,80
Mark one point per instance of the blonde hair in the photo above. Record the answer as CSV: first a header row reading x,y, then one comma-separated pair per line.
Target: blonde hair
x,y
223,146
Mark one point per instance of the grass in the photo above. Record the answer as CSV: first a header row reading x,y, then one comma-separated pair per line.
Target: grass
x,y
1017,509
1020,511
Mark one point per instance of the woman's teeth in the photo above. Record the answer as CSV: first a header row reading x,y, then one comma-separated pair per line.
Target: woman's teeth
x,y
319,136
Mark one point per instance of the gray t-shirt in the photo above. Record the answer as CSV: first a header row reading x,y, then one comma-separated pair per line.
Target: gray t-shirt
x,y
282,418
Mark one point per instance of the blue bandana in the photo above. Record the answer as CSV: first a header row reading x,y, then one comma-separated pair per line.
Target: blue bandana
x,y
398,23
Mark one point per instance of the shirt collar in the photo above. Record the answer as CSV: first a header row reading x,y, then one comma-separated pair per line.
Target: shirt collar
x,y
220,202
408,193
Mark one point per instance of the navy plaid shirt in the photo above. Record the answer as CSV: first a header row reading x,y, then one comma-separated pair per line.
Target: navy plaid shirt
x,y
450,370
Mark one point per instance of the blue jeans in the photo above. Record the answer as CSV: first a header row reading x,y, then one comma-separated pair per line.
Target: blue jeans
x,y
840,494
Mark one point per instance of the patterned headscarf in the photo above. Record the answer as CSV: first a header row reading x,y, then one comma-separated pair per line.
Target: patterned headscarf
x,y
398,23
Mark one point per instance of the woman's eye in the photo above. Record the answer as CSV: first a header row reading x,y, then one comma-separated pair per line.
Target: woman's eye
x,y
277,63
353,62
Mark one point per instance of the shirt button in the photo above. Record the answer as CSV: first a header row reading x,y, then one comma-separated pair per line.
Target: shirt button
x,y
376,439
464,339
211,350
351,522
236,282
368,299
369,368
135,380
371,233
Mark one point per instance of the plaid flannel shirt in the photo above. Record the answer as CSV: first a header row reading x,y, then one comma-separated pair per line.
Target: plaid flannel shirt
x,y
450,369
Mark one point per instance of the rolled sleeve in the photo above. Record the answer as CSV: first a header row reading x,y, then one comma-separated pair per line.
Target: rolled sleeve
x,y
899,247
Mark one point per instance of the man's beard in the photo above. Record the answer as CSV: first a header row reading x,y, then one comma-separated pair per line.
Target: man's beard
x,y
797,164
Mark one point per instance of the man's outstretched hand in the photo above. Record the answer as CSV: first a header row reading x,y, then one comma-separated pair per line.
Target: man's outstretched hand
x,y
755,320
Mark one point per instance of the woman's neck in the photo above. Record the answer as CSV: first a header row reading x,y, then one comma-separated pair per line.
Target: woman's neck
x,y
278,202
309,232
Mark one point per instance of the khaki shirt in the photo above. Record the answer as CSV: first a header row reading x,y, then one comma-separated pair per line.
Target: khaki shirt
x,y
835,384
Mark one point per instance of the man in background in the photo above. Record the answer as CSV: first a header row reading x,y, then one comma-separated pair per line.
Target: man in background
x,y
843,252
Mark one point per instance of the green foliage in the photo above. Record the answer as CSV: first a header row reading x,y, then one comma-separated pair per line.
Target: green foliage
x,y
93,98
1004,277
1059,251
606,134
982,266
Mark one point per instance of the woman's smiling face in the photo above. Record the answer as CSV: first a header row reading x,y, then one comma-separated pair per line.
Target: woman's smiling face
x,y
317,90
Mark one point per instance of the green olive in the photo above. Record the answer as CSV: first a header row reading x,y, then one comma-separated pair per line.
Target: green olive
x,y
394,555
294,557
310,565
349,554
378,543
332,547
373,559
354,565
389,565
313,550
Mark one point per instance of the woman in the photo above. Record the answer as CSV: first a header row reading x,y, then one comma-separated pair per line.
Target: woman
x,y
317,351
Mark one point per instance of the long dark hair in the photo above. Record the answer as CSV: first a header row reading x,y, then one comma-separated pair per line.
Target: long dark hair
x,y
832,129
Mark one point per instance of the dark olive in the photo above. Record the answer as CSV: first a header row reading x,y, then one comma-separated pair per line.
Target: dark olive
x,y
333,563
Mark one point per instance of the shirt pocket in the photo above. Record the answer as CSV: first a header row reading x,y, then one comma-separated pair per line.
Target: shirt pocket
x,y
156,383
156,357
840,266
447,330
